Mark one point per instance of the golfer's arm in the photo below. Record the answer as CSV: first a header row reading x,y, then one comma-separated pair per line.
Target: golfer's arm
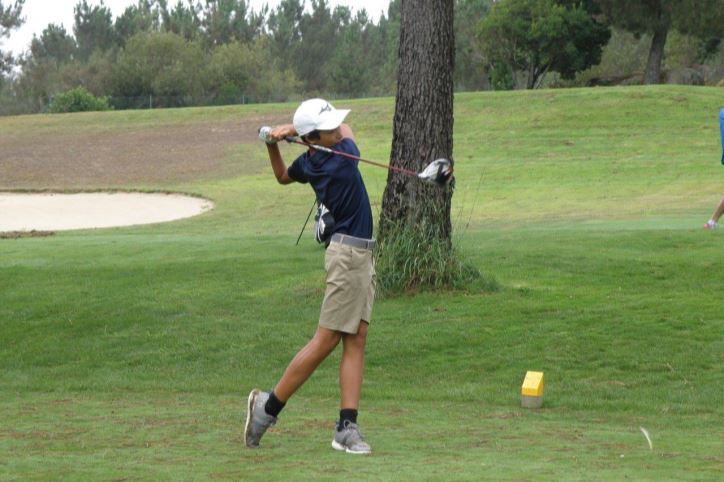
x,y
278,166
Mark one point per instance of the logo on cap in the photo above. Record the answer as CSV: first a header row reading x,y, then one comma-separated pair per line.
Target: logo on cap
x,y
326,108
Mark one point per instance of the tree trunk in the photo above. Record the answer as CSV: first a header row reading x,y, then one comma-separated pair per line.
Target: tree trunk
x,y
656,53
536,76
530,83
423,123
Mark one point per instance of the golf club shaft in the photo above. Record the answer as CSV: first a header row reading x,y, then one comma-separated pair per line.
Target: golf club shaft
x,y
351,156
306,221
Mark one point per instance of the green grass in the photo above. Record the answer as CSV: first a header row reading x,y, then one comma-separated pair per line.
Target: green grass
x,y
127,353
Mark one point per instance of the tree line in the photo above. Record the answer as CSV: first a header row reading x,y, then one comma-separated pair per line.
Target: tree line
x,y
223,51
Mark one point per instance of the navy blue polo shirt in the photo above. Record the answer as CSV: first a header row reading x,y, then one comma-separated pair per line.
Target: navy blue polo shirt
x,y
338,184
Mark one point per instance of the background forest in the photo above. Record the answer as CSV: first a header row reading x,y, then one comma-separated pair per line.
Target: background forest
x,y
211,52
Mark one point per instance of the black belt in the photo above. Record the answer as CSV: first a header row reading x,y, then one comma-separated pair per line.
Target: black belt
x,y
368,244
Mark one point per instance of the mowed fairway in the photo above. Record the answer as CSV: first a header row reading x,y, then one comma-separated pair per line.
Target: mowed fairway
x,y
128,353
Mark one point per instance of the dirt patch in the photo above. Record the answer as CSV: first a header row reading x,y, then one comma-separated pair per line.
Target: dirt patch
x,y
71,157
25,234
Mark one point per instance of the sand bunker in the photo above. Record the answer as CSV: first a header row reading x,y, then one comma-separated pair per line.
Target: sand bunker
x,y
56,212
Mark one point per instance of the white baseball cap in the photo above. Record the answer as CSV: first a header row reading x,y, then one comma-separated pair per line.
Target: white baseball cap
x,y
317,114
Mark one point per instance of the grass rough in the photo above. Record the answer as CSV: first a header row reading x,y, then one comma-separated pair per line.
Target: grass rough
x,y
128,353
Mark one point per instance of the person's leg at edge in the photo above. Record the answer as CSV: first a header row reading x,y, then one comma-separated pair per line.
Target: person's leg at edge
x,y
714,221
719,211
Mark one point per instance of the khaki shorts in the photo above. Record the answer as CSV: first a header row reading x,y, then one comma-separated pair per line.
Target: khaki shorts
x,y
350,290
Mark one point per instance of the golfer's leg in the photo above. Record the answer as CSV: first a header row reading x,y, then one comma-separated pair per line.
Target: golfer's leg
x,y
351,368
719,211
306,361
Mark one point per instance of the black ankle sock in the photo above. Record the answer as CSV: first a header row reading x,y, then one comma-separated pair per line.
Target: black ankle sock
x,y
273,405
346,414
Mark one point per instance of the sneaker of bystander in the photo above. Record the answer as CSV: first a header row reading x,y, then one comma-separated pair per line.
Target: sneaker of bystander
x,y
711,224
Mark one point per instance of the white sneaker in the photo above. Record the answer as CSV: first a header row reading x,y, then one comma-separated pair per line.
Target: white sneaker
x,y
711,224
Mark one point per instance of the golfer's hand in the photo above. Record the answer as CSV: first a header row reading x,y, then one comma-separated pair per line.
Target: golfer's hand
x,y
272,135
278,133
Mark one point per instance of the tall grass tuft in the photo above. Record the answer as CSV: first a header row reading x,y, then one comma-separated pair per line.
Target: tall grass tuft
x,y
415,257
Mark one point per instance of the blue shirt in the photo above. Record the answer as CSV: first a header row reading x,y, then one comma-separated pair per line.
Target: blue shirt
x,y
338,184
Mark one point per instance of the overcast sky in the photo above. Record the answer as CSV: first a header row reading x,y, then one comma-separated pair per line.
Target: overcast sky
x,y
39,13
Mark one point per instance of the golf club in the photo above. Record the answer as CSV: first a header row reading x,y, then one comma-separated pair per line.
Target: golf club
x,y
437,172
314,204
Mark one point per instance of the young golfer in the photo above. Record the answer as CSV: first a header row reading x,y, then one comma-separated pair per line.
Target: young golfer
x,y
350,282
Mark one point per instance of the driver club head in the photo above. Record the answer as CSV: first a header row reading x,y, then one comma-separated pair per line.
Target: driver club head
x,y
437,172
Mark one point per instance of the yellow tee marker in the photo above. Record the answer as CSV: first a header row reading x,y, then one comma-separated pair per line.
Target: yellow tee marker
x,y
531,393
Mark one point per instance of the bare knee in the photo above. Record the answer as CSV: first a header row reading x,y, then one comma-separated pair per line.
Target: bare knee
x,y
325,340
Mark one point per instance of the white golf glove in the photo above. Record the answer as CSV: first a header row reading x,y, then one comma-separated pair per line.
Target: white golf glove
x,y
265,135
323,224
